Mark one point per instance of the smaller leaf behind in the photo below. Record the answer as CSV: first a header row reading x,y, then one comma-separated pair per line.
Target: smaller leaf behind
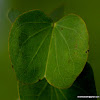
x,y
83,86
57,13
13,14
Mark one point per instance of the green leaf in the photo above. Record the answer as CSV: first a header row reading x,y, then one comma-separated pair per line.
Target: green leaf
x,y
13,14
40,48
83,86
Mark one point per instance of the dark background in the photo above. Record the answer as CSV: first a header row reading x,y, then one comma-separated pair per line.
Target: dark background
x,y
89,10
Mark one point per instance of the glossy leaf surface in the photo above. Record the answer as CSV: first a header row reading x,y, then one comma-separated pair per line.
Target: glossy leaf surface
x,y
40,48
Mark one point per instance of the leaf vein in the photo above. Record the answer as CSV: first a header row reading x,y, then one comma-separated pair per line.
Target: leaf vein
x,y
48,54
34,35
57,59
43,89
35,54
67,46
63,94
56,94
70,29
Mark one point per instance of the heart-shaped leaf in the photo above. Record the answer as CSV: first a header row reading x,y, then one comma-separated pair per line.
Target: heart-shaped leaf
x,y
40,48
83,86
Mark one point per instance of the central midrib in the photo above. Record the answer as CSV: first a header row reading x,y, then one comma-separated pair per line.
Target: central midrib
x,y
53,24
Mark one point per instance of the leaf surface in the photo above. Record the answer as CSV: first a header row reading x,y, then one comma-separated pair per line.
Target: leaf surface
x,y
40,48
83,86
